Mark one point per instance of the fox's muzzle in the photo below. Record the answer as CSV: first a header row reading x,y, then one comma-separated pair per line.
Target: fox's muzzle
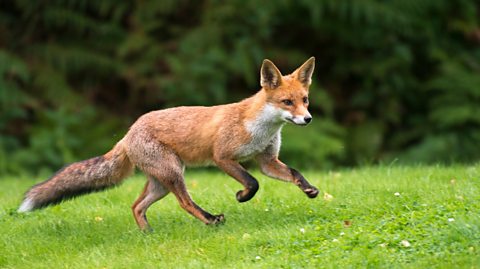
x,y
301,120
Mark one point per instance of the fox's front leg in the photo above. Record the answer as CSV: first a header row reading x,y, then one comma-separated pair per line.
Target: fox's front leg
x,y
271,166
235,170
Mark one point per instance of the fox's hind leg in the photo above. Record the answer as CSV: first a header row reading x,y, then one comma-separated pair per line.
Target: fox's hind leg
x,y
152,192
165,166
177,187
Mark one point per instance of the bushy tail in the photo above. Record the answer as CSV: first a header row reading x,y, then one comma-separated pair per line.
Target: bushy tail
x,y
79,178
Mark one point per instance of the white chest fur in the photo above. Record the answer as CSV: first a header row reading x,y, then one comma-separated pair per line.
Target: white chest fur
x,y
264,131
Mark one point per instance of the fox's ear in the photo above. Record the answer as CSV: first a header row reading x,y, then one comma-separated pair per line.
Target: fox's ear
x,y
270,76
304,72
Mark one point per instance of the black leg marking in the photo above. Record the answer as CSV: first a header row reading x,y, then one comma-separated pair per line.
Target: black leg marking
x,y
303,184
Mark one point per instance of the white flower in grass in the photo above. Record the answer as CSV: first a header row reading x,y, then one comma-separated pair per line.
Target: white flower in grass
x,y
302,230
335,240
397,194
405,243
451,219
258,258
246,236
327,196
342,234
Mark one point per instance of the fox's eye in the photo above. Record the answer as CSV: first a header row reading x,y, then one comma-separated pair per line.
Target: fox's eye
x,y
305,100
287,102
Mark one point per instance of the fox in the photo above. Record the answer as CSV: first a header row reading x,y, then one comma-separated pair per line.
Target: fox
x,y
162,143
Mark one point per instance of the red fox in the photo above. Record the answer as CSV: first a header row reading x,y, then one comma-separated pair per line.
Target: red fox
x,y
161,143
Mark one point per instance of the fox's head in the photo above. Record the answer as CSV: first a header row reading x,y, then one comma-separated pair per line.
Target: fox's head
x,y
288,95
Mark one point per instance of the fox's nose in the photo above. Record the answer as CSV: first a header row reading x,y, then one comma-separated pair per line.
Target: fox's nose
x,y
308,119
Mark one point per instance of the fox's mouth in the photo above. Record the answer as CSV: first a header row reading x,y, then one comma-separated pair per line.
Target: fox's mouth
x,y
292,121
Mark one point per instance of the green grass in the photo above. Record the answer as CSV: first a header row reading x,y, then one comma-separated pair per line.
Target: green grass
x,y
279,228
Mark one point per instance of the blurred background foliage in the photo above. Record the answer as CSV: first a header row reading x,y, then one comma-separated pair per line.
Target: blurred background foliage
x,y
396,80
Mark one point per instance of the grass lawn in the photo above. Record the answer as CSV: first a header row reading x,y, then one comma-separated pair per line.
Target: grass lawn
x,y
405,217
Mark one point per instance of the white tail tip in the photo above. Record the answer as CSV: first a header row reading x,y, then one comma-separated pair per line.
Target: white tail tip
x,y
26,206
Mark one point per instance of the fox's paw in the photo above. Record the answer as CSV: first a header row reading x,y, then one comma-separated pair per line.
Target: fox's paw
x,y
217,219
246,194
146,230
243,196
311,192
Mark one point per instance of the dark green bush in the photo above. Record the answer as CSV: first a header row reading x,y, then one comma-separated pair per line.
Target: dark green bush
x,y
395,79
